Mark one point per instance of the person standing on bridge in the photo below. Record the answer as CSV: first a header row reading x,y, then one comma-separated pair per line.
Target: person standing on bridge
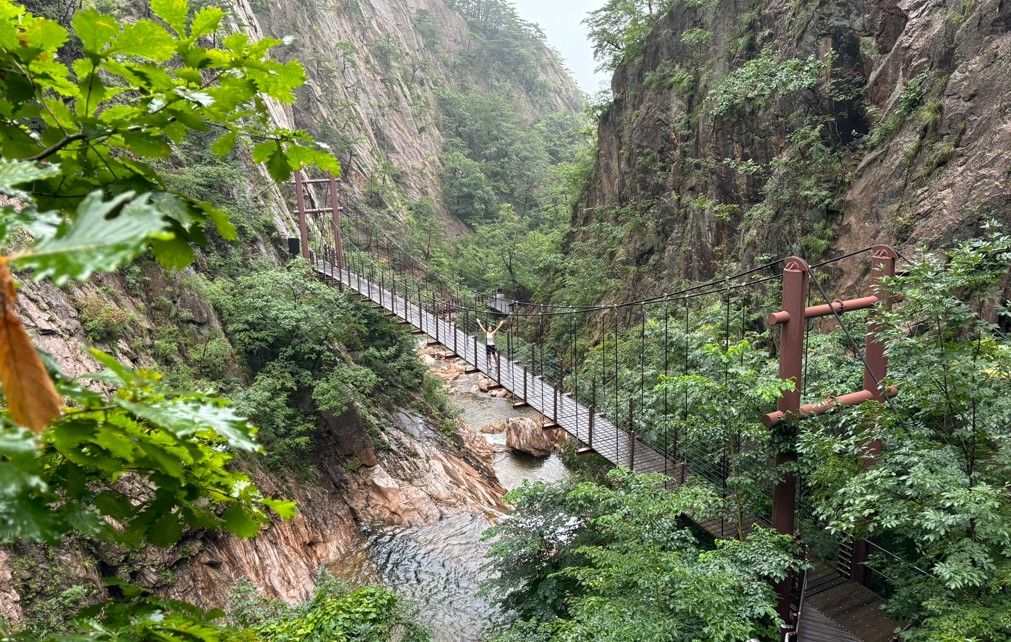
x,y
489,341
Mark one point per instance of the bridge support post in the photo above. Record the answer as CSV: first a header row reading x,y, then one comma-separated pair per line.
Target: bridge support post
x,y
791,361
338,239
882,266
303,226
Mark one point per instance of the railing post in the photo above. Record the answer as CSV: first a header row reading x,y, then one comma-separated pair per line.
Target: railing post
x,y
631,434
525,372
631,451
593,411
393,288
554,402
791,361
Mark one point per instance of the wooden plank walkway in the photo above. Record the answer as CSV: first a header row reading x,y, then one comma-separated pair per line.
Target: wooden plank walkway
x,y
851,606
840,609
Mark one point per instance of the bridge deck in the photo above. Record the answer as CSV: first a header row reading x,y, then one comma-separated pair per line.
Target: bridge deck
x,y
859,613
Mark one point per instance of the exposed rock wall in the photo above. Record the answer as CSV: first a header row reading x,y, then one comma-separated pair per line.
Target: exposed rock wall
x,y
373,69
909,171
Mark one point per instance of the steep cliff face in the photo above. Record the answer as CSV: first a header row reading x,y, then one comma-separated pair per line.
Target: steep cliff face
x,y
374,68
767,128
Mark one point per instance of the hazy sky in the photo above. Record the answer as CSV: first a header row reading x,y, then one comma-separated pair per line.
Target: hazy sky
x,y
560,20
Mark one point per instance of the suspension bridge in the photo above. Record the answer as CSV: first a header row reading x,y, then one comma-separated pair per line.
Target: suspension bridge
x,y
612,416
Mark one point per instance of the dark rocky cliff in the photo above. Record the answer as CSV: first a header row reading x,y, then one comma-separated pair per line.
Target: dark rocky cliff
x,y
900,135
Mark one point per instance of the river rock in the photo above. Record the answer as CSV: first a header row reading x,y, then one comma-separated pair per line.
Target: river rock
x,y
526,436
494,428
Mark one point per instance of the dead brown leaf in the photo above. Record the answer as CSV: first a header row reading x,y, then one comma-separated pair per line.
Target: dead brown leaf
x,y
32,399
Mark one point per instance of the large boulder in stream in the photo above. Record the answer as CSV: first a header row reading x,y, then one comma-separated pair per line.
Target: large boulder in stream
x,y
526,436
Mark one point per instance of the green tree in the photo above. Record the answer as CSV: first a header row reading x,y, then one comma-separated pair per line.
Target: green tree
x,y
618,30
310,349
139,89
468,193
335,613
616,562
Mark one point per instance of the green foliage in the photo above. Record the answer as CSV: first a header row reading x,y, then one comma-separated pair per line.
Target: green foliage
x,y
614,562
669,76
804,180
103,321
506,45
178,445
84,119
335,613
428,26
310,349
504,149
714,433
915,90
697,36
140,88
618,30
937,489
505,253
51,614
386,53
139,617
468,192
766,77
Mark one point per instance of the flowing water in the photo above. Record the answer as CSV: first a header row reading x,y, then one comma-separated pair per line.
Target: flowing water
x,y
438,567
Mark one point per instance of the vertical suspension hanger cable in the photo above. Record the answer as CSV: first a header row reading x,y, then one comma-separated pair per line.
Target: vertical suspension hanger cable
x,y
642,365
666,374
688,330
616,411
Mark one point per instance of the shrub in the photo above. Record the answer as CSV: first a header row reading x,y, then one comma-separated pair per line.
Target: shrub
x,y
103,322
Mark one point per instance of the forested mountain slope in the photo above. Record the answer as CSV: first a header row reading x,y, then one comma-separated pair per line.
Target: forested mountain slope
x,y
744,129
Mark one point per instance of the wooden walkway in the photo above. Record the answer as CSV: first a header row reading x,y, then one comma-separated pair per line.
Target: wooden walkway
x,y
842,609
848,605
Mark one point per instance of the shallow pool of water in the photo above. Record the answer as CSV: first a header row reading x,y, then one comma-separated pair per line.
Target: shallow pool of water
x,y
438,567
